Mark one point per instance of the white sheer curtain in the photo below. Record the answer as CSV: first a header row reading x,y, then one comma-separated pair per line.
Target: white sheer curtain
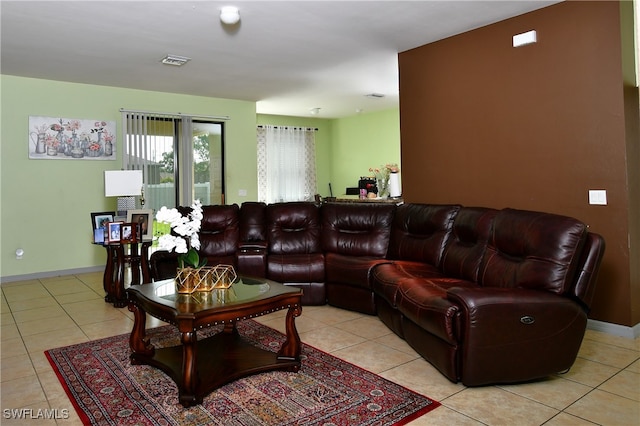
x,y
286,164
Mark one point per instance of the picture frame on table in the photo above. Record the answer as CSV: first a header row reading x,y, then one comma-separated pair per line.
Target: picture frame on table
x,y
114,232
100,220
129,232
144,218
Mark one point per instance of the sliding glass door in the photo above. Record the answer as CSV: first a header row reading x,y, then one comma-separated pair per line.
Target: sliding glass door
x,y
208,162
182,159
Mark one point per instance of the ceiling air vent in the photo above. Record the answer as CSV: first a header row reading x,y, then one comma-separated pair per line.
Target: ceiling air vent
x,y
175,60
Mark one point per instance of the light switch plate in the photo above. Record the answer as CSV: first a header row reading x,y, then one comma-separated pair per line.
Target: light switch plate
x,y
598,197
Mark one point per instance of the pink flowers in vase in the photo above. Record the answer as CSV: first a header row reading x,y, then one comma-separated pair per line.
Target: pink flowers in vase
x,y
382,177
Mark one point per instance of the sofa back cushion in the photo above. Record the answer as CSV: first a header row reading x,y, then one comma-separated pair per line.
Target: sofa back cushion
x,y
420,231
293,228
252,222
219,230
532,250
467,243
357,229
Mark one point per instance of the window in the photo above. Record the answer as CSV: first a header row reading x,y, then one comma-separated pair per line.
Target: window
x,y
286,164
182,158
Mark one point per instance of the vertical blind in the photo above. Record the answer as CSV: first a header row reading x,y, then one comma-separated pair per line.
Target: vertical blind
x,y
148,137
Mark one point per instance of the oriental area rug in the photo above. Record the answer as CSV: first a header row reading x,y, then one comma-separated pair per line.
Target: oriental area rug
x,y
106,389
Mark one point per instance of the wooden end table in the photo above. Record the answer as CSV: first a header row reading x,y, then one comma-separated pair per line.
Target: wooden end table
x,y
117,256
199,367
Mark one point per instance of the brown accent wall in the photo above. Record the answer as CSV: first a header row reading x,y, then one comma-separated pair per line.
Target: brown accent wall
x,y
534,127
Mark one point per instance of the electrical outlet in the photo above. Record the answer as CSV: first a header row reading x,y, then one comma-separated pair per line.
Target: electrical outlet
x,y
242,192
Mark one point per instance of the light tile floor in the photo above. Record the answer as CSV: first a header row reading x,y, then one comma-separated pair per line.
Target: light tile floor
x,y
602,388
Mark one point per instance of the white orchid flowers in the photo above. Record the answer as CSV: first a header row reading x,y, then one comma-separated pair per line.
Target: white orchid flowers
x,y
186,227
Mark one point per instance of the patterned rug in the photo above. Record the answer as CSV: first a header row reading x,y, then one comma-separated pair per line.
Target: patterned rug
x,y
107,390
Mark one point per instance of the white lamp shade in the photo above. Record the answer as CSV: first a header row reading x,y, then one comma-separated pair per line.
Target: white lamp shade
x,y
122,183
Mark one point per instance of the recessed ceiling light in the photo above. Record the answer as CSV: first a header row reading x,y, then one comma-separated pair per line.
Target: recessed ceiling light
x,y
229,15
175,60
375,95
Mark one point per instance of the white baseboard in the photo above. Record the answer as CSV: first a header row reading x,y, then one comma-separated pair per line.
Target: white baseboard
x,y
50,274
615,329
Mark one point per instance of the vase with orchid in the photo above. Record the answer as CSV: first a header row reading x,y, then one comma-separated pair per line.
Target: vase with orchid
x,y
381,175
183,238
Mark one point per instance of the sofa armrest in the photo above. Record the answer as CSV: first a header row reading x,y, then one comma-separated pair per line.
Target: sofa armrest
x,y
592,255
251,258
509,335
509,311
252,245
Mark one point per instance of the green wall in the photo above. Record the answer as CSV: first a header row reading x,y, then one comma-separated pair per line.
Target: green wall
x,y
361,142
323,143
46,204
347,147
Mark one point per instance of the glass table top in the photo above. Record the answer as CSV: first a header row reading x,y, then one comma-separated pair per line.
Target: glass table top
x,y
244,290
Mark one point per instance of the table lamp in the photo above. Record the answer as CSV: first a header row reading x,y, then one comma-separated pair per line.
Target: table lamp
x,y
124,184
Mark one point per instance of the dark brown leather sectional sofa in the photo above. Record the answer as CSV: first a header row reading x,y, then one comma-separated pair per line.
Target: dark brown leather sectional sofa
x,y
486,296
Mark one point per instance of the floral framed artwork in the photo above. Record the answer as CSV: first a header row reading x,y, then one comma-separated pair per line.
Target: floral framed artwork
x,y
54,138
145,219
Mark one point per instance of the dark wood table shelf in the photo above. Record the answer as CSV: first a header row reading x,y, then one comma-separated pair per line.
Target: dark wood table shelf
x,y
228,357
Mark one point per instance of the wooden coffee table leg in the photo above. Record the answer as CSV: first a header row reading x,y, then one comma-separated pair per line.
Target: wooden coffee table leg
x,y
290,349
187,388
139,343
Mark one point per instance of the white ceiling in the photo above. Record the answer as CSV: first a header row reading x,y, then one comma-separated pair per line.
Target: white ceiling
x,y
288,56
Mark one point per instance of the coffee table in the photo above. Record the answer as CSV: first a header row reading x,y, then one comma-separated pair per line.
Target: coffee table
x,y
200,366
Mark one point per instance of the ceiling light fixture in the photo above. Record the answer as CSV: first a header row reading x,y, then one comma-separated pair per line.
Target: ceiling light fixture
x,y
229,15
175,60
314,111
374,95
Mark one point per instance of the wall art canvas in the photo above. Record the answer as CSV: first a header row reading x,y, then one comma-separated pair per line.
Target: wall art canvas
x,y
55,138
